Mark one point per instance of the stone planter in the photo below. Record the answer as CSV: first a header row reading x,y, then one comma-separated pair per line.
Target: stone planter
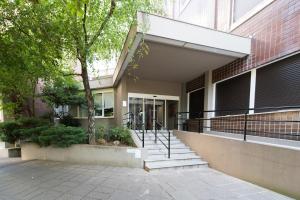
x,y
88,154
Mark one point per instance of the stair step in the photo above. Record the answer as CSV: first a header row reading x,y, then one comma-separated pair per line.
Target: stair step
x,y
155,158
159,142
165,151
174,164
159,145
181,155
160,136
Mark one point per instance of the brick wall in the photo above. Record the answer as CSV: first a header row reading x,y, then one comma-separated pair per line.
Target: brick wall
x,y
265,124
196,83
275,33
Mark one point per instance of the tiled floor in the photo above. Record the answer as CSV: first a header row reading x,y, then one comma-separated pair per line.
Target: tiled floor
x,y
43,180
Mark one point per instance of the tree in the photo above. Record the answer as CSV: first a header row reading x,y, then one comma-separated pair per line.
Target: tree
x,y
27,54
96,29
62,92
52,31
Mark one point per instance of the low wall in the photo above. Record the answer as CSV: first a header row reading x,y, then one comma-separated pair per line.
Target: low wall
x,y
273,167
88,154
277,124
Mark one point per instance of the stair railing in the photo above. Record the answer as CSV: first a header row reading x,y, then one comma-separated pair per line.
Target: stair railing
x,y
129,121
157,127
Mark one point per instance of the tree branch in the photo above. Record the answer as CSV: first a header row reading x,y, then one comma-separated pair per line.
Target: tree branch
x,y
84,25
105,21
72,74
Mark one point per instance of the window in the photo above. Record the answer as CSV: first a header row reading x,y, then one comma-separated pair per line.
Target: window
x,y
98,104
242,7
183,4
104,106
278,84
233,94
196,103
108,105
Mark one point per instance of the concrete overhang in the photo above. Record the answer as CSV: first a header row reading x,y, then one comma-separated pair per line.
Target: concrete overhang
x,y
178,51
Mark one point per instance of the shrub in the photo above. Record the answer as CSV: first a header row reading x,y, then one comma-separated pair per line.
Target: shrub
x,y
32,134
10,131
68,120
62,136
13,131
121,134
101,133
31,122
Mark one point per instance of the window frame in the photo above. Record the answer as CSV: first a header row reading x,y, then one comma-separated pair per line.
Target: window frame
x,y
182,6
103,92
247,15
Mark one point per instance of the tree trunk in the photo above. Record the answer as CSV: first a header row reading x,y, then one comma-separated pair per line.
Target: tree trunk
x,y
90,102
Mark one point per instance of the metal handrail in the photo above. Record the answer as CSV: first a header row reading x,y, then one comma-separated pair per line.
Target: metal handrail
x,y
169,136
130,119
244,119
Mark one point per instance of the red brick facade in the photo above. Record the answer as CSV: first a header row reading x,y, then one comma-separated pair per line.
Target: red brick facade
x,y
195,83
283,125
275,33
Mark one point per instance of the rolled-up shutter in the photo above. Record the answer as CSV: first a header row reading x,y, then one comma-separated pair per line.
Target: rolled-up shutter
x,y
233,94
278,84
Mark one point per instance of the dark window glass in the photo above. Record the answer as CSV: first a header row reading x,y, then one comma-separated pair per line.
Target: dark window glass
x,y
278,84
196,104
233,94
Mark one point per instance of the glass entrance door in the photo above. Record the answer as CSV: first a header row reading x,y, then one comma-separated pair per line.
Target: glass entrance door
x,y
148,108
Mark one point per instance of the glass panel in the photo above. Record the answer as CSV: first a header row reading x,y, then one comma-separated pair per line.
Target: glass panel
x,y
149,114
83,111
108,104
242,7
160,111
172,109
136,107
98,104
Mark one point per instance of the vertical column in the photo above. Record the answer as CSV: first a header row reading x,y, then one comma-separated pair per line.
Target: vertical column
x,y
209,98
252,90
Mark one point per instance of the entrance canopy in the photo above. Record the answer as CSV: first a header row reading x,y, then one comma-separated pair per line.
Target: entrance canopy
x,y
178,51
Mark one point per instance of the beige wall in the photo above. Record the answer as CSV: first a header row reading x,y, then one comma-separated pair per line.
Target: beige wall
x,y
89,154
154,87
128,85
106,122
269,166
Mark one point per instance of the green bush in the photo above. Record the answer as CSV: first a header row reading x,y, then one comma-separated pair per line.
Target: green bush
x,y
32,134
32,122
62,136
121,134
68,120
101,133
10,131
13,131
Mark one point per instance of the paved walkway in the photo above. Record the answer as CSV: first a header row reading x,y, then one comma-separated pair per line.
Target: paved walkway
x,y
43,180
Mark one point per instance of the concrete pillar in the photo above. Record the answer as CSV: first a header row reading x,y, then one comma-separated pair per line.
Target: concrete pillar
x,y
252,90
209,98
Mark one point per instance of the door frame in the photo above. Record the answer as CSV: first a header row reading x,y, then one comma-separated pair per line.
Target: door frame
x,y
154,97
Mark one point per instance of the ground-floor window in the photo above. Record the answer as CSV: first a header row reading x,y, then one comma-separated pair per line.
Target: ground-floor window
x,y
278,84
104,105
233,94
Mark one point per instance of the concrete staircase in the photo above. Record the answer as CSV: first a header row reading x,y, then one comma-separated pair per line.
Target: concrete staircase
x,y
181,155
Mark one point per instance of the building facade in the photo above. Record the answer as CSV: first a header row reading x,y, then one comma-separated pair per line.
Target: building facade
x,y
222,56
208,55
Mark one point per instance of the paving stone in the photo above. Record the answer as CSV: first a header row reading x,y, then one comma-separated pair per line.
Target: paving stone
x,y
43,180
